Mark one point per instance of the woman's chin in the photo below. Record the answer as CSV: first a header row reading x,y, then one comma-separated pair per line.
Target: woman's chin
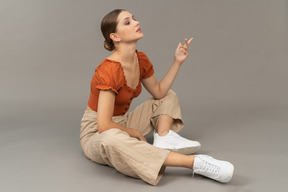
x,y
141,36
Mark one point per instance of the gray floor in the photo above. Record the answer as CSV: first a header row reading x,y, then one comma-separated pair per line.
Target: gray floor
x,y
37,156
233,90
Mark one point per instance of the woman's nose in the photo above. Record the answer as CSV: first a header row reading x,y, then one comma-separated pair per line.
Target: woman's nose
x,y
137,23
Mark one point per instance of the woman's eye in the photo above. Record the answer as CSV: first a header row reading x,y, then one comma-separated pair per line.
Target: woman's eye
x,y
127,23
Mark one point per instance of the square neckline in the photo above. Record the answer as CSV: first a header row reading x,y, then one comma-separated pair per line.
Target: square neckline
x,y
125,80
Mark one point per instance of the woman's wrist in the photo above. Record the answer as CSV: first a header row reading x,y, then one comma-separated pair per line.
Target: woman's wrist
x,y
133,132
176,62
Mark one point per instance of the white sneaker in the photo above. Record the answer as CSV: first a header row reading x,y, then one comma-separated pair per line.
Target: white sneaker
x,y
174,142
218,170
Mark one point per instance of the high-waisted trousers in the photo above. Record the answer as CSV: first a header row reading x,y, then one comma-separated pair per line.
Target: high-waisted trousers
x,y
126,154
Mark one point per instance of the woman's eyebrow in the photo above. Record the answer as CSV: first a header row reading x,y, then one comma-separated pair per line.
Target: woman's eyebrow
x,y
128,18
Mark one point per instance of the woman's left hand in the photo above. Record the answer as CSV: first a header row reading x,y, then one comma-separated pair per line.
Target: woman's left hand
x,y
181,52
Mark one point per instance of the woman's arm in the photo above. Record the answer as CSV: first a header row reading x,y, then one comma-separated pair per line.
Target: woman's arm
x,y
105,113
159,90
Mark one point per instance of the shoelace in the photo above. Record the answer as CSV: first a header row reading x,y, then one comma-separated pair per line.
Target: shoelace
x,y
208,167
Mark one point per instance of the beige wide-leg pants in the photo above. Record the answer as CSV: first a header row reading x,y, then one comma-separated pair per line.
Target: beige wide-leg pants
x,y
128,155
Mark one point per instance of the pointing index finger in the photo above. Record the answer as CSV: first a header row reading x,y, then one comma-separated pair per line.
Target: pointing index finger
x,y
190,40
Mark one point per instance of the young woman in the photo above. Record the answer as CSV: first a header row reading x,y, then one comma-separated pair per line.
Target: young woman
x,y
112,136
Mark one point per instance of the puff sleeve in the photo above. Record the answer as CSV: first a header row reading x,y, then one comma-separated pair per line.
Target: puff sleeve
x,y
107,76
147,69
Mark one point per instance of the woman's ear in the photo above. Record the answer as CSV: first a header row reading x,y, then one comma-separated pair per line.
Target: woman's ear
x,y
114,37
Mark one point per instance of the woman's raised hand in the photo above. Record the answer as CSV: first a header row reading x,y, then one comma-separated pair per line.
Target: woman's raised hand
x,y
181,52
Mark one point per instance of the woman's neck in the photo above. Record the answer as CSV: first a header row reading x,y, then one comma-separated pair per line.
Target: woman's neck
x,y
126,53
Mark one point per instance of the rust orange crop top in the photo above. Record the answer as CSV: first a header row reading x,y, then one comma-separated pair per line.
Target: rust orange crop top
x,y
110,75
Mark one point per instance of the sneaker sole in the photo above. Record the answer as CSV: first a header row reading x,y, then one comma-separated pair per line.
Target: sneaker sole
x,y
185,151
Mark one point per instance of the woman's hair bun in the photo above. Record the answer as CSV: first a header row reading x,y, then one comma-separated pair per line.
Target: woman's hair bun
x,y
109,46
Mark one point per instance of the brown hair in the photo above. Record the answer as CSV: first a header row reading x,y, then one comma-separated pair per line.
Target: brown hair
x,y
108,26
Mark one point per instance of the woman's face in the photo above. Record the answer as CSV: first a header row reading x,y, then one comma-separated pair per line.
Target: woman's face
x,y
128,29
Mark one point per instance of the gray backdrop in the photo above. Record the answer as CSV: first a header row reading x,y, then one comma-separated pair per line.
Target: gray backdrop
x,y
233,89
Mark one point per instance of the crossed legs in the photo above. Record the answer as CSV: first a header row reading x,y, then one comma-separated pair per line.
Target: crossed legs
x,y
174,159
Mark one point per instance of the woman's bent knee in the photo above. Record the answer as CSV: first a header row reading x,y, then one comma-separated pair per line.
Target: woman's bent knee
x,y
171,96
